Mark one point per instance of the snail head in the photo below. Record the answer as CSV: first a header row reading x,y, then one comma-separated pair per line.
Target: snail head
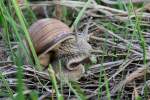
x,y
82,39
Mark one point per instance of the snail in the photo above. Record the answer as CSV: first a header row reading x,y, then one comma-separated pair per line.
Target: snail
x,y
54,42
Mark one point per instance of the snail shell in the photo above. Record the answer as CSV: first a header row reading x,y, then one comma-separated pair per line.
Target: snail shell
x,y
47,33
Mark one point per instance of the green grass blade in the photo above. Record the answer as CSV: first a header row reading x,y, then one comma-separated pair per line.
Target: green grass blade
x,y
54,82
80,14
21,19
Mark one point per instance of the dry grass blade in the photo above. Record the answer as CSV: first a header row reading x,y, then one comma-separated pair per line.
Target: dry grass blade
x,y
140,72
114,37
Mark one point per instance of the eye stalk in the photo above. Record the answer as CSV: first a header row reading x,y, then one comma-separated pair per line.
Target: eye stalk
x,y
84,35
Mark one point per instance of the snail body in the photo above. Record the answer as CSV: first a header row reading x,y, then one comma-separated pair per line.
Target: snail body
x,y
54,42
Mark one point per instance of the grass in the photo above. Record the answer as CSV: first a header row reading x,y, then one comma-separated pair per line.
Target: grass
x,y
18,61
53,78
22,22
80,14
20,25
137,29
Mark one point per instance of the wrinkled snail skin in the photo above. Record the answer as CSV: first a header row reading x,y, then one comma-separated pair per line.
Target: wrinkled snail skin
x,y
55,43
73,75
44,60
70,56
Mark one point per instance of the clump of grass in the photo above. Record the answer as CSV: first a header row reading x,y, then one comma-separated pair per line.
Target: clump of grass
x,y
18,37
53,78
80,14
25,30
103,82
7,21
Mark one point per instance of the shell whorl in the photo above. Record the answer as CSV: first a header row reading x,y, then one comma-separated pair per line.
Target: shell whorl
x,y
48,33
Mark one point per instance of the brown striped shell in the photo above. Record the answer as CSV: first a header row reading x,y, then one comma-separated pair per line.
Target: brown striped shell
x,y
47,33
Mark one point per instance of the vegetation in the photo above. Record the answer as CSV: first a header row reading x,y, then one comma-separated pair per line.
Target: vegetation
x,y
120,40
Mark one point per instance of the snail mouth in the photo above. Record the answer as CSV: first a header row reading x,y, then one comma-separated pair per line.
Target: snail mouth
x,y
74,63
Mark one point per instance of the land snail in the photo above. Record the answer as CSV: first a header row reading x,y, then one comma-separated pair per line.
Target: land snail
x,y
54,42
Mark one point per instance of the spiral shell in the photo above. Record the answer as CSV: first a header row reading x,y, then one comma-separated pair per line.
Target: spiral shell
x,y
47,33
